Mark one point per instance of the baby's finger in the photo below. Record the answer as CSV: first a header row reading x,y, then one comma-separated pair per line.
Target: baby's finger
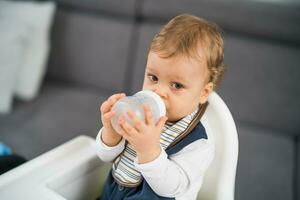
x,y
131,131
138,124
114,98
148,115
109,115
124,134
107,105
160,124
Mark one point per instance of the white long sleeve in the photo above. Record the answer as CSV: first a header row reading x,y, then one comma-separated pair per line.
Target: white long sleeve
x,y
107,153
181,174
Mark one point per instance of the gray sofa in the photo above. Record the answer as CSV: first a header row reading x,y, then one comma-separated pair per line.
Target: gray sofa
x,y
99,47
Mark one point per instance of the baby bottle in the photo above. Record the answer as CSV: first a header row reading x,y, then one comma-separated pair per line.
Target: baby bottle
x,y
135,104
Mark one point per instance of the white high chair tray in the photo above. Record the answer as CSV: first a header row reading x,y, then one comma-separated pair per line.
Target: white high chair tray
x,y
56,174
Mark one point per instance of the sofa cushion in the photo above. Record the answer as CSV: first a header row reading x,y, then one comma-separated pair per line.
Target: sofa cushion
x,y
261,82
12,48
273,20
36,18
121,8
265,165
146,32
90,50
59,114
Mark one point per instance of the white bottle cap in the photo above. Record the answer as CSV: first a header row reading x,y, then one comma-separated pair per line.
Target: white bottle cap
x,y
158,100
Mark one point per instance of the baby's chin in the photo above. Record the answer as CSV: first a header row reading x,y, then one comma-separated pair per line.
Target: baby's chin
x,y
173,118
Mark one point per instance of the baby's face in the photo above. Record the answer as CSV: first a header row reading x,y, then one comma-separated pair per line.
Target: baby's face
x,y
181,82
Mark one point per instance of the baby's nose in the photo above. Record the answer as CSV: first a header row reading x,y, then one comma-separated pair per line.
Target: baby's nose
x,y
161,92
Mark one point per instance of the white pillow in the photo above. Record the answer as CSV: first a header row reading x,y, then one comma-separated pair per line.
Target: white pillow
x,y
37,16
12,49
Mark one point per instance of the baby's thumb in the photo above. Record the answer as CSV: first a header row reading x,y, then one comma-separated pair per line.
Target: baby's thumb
x,y
162,122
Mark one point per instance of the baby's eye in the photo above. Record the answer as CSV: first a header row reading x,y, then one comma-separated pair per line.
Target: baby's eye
x,y
152,77
177,85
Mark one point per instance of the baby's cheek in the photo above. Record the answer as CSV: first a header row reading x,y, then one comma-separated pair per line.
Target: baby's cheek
x,y
173,115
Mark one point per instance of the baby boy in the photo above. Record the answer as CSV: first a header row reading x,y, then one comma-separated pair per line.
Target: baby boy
x,y
167,159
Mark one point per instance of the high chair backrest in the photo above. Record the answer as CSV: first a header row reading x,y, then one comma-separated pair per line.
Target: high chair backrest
x,y
219,181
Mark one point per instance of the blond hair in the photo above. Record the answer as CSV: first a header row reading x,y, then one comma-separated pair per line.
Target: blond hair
x,y
184,35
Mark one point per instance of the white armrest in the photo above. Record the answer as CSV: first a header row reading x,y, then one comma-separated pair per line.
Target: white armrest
x,y
70,171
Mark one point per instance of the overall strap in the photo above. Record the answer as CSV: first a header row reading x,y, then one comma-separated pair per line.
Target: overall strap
x,y
192,125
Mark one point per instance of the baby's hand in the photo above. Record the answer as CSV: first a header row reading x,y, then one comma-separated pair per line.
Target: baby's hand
x,y
109,135
144,136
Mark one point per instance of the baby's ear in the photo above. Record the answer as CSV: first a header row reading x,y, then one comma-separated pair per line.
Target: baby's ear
x,y
208,88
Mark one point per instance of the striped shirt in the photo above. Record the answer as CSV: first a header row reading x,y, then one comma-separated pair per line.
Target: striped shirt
x,y
125,172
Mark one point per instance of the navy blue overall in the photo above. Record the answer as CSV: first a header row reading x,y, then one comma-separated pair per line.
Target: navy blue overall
x,y
113,191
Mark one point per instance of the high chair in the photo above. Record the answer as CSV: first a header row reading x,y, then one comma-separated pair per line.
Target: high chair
x,y
219,180
72,171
